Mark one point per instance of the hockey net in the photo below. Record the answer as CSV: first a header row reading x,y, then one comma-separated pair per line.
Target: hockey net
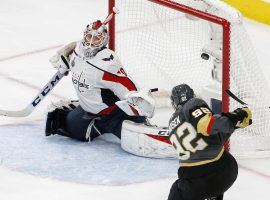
x,y
160,43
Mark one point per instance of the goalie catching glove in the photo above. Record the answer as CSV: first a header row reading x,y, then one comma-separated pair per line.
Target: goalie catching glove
x,y
60,60
241,117
138,103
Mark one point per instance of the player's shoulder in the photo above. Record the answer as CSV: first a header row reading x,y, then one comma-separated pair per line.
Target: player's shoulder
x,y
107,56
105,53
194,103
108,60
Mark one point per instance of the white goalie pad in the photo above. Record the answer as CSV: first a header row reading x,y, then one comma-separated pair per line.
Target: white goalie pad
x,y
146,141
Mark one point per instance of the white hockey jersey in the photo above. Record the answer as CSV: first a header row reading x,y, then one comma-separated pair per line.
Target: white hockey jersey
x,y
99,81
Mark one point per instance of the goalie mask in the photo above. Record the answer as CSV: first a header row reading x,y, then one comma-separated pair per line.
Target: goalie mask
x,y
95,38
181,94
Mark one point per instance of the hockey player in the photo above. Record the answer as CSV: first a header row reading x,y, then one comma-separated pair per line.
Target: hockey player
x,y
107,95
206,170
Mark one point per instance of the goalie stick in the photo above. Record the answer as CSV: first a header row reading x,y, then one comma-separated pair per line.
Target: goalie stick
x,y
115,10
236,98
36,101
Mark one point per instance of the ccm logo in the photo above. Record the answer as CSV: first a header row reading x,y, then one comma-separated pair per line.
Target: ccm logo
x,y
164,133
45,91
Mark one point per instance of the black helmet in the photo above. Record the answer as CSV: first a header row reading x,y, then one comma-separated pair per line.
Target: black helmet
x,y
181,94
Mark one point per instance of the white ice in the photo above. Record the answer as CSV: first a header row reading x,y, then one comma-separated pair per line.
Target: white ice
x,y
56,168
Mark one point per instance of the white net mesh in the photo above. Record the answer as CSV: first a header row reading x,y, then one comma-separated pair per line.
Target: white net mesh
x,y
248,83
161,47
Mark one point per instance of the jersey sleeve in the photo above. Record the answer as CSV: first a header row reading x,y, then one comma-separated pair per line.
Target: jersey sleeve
x,y
201,118
120,85
114,77
223,126
205,123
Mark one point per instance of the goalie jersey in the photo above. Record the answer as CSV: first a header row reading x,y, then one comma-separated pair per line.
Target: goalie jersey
x,y
99,81
197,135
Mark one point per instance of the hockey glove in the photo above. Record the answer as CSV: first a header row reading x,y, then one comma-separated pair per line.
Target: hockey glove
x,y
60,60
142,101
241,117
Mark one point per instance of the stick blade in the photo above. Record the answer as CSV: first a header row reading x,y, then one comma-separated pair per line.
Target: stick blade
x,y
20,113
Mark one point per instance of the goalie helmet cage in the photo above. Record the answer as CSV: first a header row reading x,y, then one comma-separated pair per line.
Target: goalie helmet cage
x,y
160,44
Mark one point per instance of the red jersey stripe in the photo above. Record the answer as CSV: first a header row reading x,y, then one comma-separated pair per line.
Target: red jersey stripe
x,y
209,127
160,138
125,81
107,111
134,110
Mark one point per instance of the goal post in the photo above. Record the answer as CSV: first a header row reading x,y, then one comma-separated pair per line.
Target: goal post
x,y
160,45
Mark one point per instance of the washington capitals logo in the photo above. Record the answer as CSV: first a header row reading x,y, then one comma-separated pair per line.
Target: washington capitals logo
x,y
122,71
108,59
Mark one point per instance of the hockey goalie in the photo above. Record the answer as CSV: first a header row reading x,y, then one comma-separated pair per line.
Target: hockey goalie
x,y
109,101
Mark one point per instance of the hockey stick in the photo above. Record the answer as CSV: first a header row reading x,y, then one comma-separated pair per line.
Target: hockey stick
x,y
38,98
108,18
236,98
111,15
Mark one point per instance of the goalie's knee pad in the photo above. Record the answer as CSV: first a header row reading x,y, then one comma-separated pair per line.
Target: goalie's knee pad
x,y
147,141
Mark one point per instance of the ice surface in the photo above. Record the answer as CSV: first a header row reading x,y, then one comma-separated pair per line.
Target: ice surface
x,y
101,162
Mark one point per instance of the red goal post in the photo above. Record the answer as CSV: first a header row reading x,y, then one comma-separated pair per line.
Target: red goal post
x,y
161,46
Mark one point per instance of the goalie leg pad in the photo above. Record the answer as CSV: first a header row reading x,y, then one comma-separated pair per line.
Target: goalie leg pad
x,y
146,141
